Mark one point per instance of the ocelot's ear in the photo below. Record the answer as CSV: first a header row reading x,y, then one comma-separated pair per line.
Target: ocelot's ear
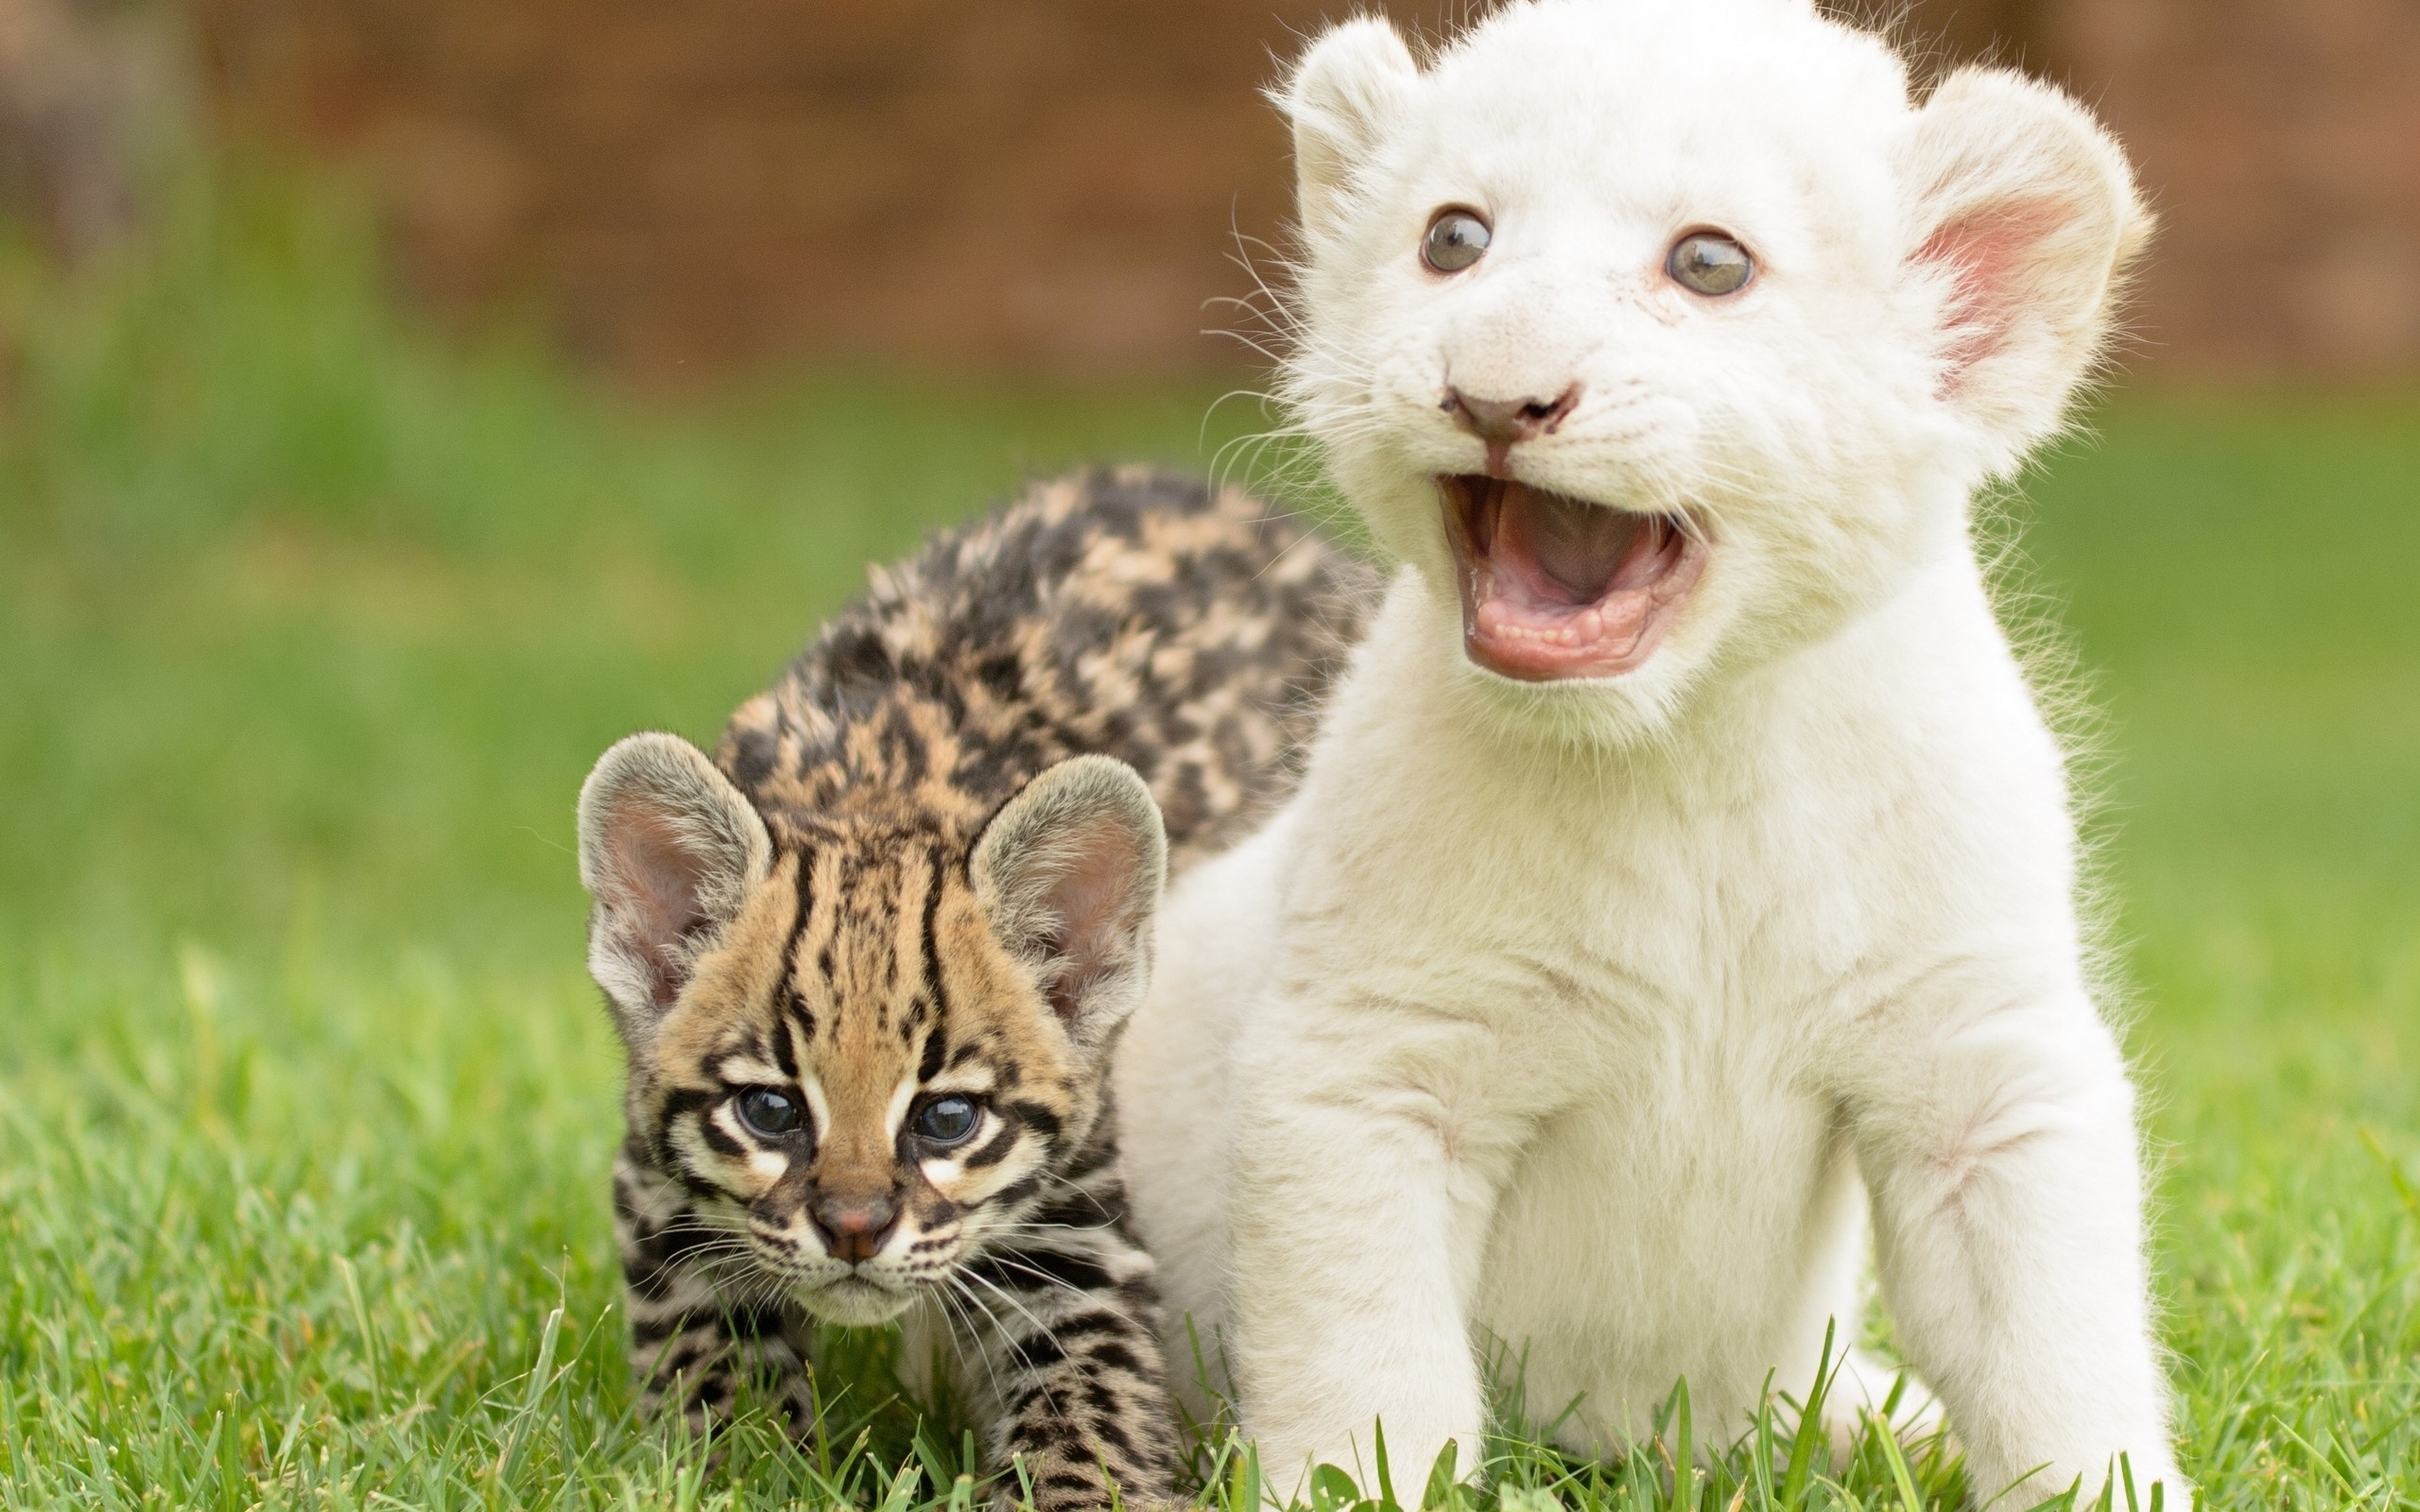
x,y
1069,873
669,850
1341,98
2022,217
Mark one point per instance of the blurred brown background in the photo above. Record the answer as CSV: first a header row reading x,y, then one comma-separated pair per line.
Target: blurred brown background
x,y
1060,186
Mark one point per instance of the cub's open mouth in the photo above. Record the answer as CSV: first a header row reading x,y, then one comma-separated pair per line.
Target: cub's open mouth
x,y
1555,587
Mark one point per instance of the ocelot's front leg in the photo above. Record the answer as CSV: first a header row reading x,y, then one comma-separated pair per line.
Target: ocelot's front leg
x,y
691,1347
1060,1331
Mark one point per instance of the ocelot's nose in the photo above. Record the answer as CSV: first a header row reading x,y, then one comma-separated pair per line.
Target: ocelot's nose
x,y
853,1228
1501,422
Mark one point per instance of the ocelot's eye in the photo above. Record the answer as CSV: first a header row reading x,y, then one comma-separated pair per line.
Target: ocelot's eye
x,y
769,1114
947,1120
1710,263
1455,240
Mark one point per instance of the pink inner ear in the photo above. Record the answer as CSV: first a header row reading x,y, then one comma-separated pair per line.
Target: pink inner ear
x,y
661,878
1091,901
1991,254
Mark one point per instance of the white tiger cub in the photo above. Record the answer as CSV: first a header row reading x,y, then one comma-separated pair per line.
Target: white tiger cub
x,y
1683,876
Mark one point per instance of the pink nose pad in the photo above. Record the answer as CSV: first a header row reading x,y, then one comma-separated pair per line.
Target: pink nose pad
x,y
1504,423
854,1229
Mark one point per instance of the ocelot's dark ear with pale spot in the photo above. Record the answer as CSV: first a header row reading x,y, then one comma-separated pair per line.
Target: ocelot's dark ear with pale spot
x,y
1069,874
669,850
1342,99
2022,217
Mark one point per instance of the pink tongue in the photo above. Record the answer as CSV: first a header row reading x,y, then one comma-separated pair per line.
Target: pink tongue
x,y
1578,546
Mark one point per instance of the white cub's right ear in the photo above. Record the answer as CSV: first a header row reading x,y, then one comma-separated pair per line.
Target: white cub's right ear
x,y
2024,210
1069,873
1342,97
671,851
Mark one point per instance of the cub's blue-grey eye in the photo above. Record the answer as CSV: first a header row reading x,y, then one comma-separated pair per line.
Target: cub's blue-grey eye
x,y
767,1113
1710,263
947,1120
1455,240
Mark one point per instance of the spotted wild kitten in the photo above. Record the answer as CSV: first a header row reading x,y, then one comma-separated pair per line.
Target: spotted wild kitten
x,y
869,961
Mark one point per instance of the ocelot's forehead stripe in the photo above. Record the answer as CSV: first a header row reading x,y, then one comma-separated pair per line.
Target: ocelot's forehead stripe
x,y
807,957
917,946
936,981
799,1017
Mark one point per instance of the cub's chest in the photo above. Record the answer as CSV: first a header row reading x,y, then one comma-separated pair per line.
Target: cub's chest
x,y
1636,952
1661,887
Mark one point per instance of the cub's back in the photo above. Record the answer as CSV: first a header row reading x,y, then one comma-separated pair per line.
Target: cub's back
x,y
1190,633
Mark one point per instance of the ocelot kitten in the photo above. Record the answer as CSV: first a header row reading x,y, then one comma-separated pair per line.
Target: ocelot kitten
x,y
869,961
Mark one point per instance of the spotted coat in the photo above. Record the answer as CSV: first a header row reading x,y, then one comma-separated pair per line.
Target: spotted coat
x,y
1187,632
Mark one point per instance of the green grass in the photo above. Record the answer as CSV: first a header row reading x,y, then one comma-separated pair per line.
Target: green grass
x,y
308,632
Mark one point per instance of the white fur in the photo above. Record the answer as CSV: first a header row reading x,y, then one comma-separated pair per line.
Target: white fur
x,y
1604,1018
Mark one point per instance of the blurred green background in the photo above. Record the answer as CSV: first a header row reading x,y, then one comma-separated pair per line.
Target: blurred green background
x,y
309,629
311,621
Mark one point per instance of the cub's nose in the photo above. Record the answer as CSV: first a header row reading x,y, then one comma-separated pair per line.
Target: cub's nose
x,y
1501,422
853,1228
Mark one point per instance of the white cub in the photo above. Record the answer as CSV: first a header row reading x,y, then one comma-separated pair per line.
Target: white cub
x,y
1683,879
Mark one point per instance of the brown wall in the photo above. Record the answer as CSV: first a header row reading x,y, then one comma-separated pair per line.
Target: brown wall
x,y
2280,140
1058,183
90,94
1029,184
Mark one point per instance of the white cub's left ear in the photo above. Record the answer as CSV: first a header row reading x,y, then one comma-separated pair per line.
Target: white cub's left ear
x,y
2023,212
1341,98
1069,873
